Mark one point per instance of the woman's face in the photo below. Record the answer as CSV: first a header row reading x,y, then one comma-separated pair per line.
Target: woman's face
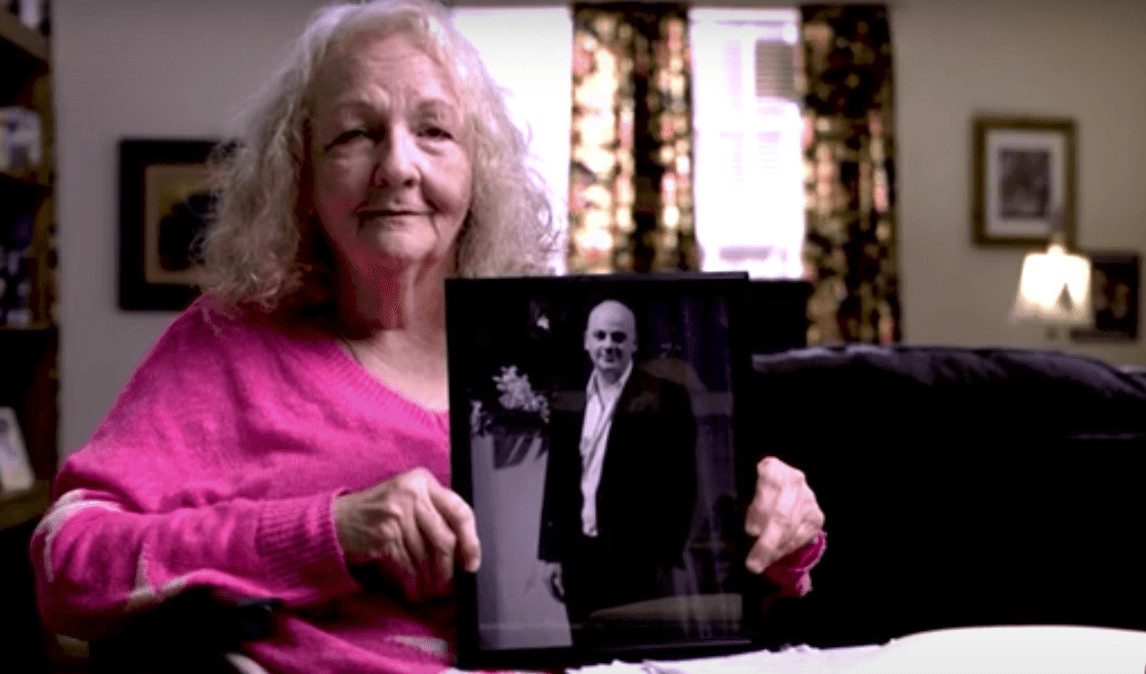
x,y
392,175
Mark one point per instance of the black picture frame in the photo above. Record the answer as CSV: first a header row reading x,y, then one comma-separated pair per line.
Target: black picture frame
x,y
164,202
1023,181
1115,287
693,330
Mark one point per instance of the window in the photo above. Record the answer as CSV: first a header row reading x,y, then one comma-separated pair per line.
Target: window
x,y
749,194
533,62
749,191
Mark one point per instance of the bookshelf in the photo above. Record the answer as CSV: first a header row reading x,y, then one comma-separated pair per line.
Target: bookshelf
x,y
29,344
28,335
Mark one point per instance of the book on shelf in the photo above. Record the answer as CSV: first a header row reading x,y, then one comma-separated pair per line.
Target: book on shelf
x,y
15,276
21,140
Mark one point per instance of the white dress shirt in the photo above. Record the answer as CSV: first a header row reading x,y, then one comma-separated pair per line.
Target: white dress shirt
x,y
600,403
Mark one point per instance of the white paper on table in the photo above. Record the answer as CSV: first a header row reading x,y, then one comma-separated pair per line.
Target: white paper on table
x,y
1016,649
794,660
15,470
801,659
615,667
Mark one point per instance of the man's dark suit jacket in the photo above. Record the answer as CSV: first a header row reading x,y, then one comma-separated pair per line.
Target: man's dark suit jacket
x,y
645,500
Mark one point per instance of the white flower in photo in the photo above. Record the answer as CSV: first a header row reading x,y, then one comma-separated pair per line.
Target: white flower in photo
x,y
518,394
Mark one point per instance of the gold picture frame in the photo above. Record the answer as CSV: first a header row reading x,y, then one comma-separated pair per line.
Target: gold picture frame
x,y
1023,181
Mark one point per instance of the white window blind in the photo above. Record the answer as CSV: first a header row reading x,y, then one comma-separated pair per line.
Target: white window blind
x,y
749,195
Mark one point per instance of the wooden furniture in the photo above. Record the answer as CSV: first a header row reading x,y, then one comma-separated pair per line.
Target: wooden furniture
x,y
28,348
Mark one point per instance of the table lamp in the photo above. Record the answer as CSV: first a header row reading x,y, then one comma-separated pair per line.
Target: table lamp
x,y
1054,288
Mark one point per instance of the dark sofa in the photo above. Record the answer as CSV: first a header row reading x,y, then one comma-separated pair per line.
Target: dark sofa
x,y
961,487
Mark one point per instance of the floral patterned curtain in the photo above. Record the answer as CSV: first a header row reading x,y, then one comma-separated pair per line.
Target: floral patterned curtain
x,y
630,188
849,149
630,197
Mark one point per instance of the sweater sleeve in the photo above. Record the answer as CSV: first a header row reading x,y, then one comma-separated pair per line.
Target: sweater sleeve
x,y
166,496
793,571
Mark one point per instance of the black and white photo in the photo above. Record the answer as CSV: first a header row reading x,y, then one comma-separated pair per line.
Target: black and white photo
x,y
600,457
1023,181
611,537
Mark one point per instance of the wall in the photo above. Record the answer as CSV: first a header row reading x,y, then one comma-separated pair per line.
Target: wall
x,y
164,68
174,68
956,60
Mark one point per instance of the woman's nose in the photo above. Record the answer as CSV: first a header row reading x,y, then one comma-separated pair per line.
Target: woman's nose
x,y
395,164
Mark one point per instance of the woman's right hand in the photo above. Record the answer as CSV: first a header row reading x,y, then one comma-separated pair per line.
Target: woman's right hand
x,y
413,529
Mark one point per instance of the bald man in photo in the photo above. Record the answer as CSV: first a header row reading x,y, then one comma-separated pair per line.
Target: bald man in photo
x,y
620,487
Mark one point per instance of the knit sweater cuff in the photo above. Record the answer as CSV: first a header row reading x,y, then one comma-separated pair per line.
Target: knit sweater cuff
x,y
792,572
299,546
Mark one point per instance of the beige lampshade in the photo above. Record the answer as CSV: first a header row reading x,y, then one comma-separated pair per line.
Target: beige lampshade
x,y
1054,288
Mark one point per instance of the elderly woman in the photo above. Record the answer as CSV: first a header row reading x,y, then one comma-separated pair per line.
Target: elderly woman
x,y
286,437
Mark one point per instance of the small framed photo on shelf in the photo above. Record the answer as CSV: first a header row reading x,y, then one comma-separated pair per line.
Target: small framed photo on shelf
x,y
1114,292
1023,181
15,468
165,201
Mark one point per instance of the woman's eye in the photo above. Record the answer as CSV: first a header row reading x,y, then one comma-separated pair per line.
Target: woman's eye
x,y
436,132
350,135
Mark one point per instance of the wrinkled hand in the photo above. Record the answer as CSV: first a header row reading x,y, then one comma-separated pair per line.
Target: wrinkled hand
x,y
783,515
413,529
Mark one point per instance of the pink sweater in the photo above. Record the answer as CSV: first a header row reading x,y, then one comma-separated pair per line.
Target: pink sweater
x,y
218,465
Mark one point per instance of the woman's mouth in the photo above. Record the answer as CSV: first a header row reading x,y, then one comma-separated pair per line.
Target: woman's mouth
x,y
390,218
395,213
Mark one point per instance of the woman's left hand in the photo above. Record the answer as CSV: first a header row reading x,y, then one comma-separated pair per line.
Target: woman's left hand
x,y
783,515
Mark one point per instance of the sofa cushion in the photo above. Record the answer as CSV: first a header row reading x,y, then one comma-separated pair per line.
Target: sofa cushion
x,y
961,487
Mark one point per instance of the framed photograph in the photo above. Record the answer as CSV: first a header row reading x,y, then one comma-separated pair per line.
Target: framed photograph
x,y
1114,288
164,204
600,454
1023,181
15,468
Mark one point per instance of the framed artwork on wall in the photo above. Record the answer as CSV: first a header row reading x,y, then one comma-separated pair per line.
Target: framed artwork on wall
x,y
164,204
1114,292
1023,181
